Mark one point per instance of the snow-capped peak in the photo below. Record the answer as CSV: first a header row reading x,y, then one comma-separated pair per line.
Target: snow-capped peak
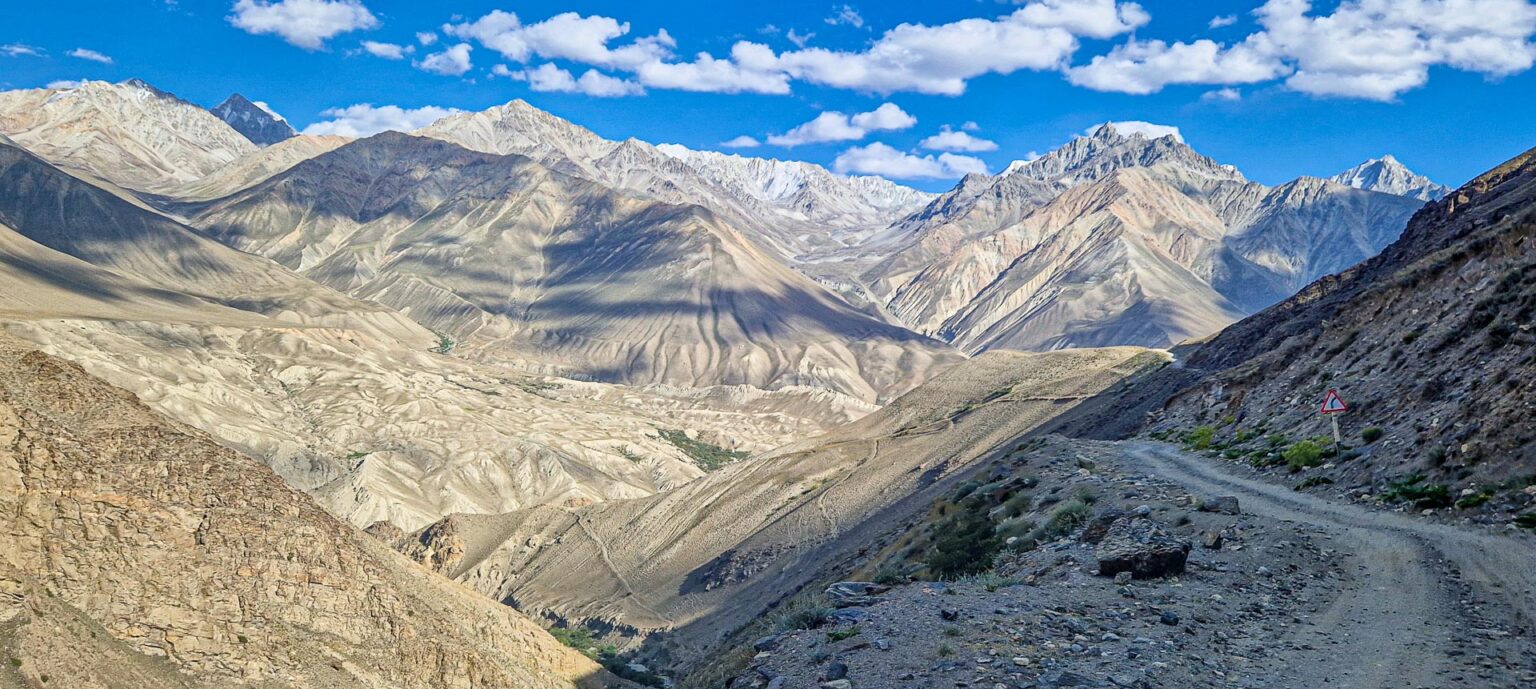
x,y
255,120
1389,176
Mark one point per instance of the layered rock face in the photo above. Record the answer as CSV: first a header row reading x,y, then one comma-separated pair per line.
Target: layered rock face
x,y
147,539
253,122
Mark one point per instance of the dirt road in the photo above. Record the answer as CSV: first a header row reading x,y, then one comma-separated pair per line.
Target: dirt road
x,y
1430,605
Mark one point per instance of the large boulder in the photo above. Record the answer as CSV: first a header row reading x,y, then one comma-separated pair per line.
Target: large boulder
x,y
1143,548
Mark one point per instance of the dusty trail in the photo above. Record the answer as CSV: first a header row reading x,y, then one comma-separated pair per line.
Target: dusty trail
x,y
602,549
1409,617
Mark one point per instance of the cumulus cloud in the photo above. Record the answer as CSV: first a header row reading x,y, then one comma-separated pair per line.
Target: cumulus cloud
x,y
20,49
836,126
366,119
1225,20
799,39
1147,129
388,51
1370,49
426,37
567,36
934,59
1228,94
452,61
550,78
885,161
970,127
950,140
742,141
88,54
303,23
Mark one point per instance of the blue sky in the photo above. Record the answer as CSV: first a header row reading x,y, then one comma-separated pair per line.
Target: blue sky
x,y
1279,88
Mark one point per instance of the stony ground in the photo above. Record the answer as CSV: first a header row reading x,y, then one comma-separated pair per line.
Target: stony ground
x,y
1299,593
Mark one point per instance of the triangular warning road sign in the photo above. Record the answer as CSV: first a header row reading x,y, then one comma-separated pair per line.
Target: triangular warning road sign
x,y
1333,404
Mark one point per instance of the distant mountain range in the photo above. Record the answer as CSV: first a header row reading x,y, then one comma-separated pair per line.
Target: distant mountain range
x,y
1111,239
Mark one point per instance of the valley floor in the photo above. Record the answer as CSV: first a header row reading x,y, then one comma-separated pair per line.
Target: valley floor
x,y
1303,592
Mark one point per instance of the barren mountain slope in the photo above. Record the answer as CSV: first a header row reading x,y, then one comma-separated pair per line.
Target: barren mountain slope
x,y
129,133
253,121
66,218
129,526
1430,342
256,166
706,558
556,273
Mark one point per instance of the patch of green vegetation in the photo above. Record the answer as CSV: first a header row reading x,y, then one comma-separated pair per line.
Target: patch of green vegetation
x,y
1302,455
1245,435
1200,438
242,639
579,638
629,454
888,576
951,631
946,651
358,455
536,387
843,634
15,662
1277,440
1422,495
1468,502
444,345
1065,518
1526,521
707,456
1372,434
991,581
966,543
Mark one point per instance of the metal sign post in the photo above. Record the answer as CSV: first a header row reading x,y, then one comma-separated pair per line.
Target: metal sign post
x,y
1333,406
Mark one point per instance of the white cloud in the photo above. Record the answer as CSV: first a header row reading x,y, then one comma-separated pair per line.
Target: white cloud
x,y
741,142
549,78
1147,129
88,54
1228,94
304,23
938,59
366,119
1142,67
970,127
64,84
452,61
567,36
1092,18
1226,20
881,159
836,126
951,140
1371,49
426,37
268,109
388,51
20,49
799,39
846,15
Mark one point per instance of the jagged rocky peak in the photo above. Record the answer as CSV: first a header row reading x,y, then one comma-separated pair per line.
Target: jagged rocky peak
x,y
1105,150
254,121
1388,175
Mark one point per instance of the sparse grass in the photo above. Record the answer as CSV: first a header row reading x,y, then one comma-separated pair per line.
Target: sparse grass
x,y
951,631
629,454
946,651
1372,434
242,639
1063,520
1314,482
804,618
444,345
842,634
358,455
966,543
888,576
1471,501
992,581
707,456
15,662
1526,521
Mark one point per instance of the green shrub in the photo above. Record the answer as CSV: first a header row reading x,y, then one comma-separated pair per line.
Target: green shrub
x,y
967,542
888,576
951,631
1302,455
579,638
15,662
1063,520
1200,438
1422,495
1526,521
1372,434
946,651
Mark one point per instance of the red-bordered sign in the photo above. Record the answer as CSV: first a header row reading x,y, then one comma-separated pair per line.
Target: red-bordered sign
x,y
1333,404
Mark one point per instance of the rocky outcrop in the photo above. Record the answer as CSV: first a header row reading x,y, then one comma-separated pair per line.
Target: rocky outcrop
x,y
1142,548
158,541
